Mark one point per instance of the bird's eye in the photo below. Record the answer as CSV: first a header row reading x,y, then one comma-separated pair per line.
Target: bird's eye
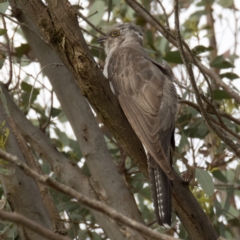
x,y
115,33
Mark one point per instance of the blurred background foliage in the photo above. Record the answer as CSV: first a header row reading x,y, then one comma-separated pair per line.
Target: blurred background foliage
x,y
211,28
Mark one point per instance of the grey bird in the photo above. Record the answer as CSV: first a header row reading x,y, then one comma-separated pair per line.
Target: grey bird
x,y
148,98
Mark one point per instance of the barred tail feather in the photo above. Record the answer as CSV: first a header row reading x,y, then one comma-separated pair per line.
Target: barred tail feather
x,y
161,194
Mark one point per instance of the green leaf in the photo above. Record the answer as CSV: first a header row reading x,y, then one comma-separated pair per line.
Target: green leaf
x,y
21,50
96,12
110,7
145,192
62,137
3,6
219,176
39,109
2,59
184,119
28,93
230,192
204,3
229,75
201,49
45,168
184,143
55,112
163,46
28,88
230,175
225,3
220,95
2,31
149,36
218,207
173,57
74,145
205,180
196,130
221,63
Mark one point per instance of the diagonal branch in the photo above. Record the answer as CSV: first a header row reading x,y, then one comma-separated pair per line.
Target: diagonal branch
x,y
221,134
191,58
218,112
97,205
60,27
25,222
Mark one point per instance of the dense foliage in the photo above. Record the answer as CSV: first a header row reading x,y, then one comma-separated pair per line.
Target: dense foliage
x,y
211,30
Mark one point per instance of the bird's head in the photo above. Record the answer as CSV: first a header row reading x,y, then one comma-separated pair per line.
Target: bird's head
x,y
121,33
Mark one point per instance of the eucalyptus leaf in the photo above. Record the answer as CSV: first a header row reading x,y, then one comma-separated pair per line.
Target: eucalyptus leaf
x,y
96,12
205,180
2,31
21,50
3,6
230,192
221,63
110,7
201,49
229,75
219,176
173,57
220,95
184,143
55,112
226,3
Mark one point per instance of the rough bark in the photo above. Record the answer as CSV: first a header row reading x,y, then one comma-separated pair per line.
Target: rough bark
x,y
21,191
62,32
59,27
105,179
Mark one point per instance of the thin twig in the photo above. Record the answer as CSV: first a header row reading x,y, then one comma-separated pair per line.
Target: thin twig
x,y
171,38
86,31
25,222
220,132
90,24
214,110
220,123
97,205
165,13
182,86
24,25
227,186
44,126
48,65
223,125
215,164
220,113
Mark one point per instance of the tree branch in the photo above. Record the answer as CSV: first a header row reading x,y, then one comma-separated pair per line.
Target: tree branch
x,y
25,222
21,192
111,189
171,38
220,113
221,134
89,23
71,47
97,205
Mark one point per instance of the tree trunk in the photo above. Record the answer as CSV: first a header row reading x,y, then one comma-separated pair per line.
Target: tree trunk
x,y
21,191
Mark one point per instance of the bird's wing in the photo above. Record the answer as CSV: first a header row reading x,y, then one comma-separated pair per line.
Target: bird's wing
x,y
148,98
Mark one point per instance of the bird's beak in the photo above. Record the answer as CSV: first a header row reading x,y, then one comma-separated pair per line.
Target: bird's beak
x,y
101,39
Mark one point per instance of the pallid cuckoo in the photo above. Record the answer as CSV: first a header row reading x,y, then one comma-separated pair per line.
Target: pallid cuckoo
x,y
147,95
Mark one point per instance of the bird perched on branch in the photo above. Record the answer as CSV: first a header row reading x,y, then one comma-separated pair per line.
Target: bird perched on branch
x,y
148,97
